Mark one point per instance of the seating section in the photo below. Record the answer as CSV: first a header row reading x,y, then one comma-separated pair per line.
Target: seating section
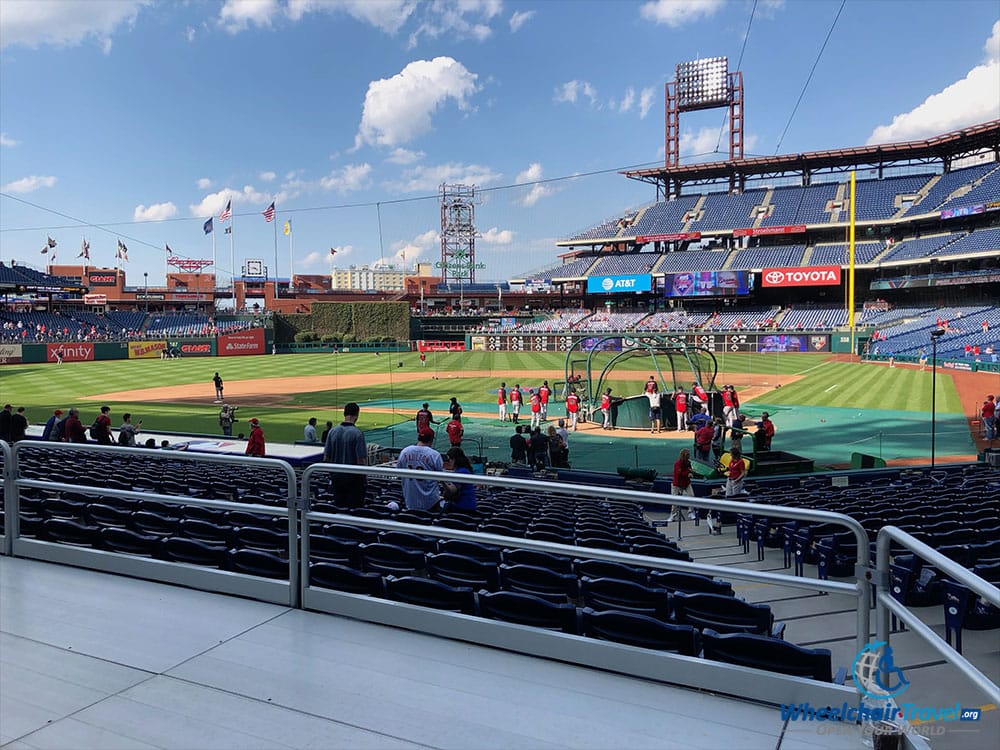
x,y
634,263
948,183
662,218
980,241
876,199
813,318
757,258
985,190
725,211
835,254
922,247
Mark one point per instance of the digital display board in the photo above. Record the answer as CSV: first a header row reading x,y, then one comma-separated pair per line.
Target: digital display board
x,y
708,284
594,343
779,343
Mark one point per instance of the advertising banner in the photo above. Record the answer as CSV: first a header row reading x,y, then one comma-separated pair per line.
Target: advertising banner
x,y
10,354
707,284
79,352
146,349
95,299
764,231
102,279
193,347
675,237
241,343
814,276
611,284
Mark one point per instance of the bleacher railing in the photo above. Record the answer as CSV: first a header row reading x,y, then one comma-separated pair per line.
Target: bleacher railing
x,y
272,590
886,603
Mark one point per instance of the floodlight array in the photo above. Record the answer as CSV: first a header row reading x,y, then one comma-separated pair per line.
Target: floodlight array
x,y
702,84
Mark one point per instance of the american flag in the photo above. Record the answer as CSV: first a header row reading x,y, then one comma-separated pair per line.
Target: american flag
x,y
84,250
269,213
228,212
122,251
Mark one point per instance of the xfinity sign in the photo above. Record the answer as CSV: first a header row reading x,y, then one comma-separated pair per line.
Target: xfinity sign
x,y
614,284
815,276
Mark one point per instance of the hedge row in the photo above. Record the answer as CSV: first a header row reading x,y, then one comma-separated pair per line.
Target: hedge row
x,y
348,322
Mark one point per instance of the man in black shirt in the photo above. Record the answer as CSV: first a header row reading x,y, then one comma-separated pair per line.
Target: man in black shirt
x,y
518,446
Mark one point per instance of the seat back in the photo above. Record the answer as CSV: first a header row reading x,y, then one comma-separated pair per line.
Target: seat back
x,y
640,630
625,596
525,609
542,582
689,583
343,578
722,613
425,592
769,654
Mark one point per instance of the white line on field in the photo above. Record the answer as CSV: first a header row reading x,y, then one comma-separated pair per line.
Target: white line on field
x,y
831,387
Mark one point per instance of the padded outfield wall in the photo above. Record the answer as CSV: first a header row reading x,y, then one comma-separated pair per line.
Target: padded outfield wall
x,y
764,343
236,344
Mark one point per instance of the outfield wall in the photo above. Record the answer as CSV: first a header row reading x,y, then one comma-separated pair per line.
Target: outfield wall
x,y
236,344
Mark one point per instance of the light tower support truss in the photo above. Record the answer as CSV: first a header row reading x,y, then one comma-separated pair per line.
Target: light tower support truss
x,y
189,265
458,234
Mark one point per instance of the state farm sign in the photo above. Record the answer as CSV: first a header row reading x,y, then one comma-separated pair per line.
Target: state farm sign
x,y
241,342
815,276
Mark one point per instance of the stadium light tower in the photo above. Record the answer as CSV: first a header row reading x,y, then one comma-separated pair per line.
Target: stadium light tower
x,y
458,234
704,84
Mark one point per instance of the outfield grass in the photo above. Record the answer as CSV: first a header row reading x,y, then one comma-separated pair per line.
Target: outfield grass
x,y
42,388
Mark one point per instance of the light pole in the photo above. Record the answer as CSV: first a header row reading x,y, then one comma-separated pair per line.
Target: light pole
x,y
145,277
935,335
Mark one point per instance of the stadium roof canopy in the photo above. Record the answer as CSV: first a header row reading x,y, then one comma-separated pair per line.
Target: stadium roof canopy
x,y
943,149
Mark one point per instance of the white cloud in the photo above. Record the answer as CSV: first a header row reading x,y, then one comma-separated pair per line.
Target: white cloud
x,y
385,15
189,34
399,109
407,251
342,250
628,100
313,259
350,177
573,90
645,102
404,157
705,141
496,236
237,15
7,141
32,23
427,178
213,203
970,101
155,212
537,191
449,17
676,13
29,184
267,176
519,19
204,183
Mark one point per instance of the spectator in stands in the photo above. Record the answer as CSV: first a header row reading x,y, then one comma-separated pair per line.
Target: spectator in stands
x,y
101,429
455,431
681,483
718,437
518,446
459,496
735,473
256,444
309,431
736,433
502,401
128,431
421,494
18,425
681,408
651,385
703,441
326,432
424,418
6,414
765,432
50,424
989,414
538,449
150,443
227,416
572,408
515,403
558,450
73,430
217,381
345,444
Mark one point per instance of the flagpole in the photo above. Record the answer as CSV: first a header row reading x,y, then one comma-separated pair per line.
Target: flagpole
x,y
291,254
215,266
275,222
232,255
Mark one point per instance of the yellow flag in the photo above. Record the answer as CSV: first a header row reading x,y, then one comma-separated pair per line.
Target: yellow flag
x,y
288,227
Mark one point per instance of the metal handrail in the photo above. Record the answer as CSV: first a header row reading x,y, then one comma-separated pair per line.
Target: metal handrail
x,y
885,603
859,589
7,480
290,510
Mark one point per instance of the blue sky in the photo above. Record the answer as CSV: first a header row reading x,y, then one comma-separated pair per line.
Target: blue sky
x,y
138,120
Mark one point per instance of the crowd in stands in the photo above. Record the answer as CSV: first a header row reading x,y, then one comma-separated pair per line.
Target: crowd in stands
x,y
41,327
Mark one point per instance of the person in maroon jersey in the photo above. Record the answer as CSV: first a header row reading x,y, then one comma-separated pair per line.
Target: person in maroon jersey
x,y
424,418
543,395
572,408
681,407
515,403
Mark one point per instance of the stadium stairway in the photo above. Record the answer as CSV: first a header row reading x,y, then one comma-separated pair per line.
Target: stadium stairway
x,y
694,213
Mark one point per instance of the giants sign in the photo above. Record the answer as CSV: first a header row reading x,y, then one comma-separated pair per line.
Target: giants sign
x,y
241,342
102,279
69,352
815,276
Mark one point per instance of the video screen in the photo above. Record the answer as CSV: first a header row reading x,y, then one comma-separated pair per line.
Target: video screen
x,y
781,344
594,343
708,284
